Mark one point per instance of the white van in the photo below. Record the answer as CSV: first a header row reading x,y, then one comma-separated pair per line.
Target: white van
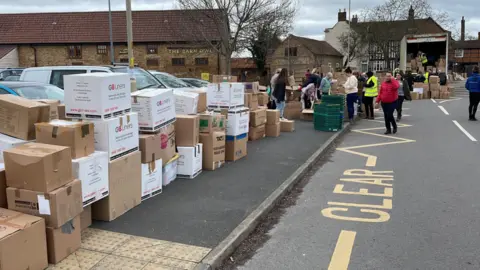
x,y
54,74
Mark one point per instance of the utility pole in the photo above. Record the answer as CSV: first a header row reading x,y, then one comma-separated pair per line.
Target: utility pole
x,y
349,30
131,60
112,52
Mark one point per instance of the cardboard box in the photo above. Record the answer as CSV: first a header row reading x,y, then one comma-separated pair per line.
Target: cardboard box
x,y
223,78
56,207
225,95
252,87
38,166
7,142
256,133
3,187
211,122
151,179
444,95
262,99
63,241
251,101
272,130
61,112
155,108
79,136
307,115
96,95
273,117
125,186
293,110
190,161
287,125
258,117
444,88
186,102
187,130
237,121
434,87
169,171
18,116
93,173
159,145
53,107
432,79
202,100
22,241
236,147
435,94
86,217
117,136
213,150
426,95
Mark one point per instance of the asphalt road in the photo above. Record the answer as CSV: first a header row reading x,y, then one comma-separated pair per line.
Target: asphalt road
x,y
203,211
421,212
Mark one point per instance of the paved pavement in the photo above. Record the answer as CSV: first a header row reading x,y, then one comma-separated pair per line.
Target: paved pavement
x,y
203,211
408,201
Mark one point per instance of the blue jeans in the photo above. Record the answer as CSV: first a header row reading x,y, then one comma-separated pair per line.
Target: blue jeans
x,y
351,99
281,107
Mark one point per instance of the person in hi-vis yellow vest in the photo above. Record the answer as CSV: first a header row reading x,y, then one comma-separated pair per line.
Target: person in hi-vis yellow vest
x,y
371,91
427,74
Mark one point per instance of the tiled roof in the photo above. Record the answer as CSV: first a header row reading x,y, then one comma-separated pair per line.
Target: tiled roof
x,y
398,29
92,27
6,49
318,47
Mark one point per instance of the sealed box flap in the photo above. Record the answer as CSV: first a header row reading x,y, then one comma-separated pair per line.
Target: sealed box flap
x,y
12,221
20,101
151,92
49,101
35,150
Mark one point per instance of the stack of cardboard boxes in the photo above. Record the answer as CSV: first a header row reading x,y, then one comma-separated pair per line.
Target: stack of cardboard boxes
x,y
272,127
258,119
212,139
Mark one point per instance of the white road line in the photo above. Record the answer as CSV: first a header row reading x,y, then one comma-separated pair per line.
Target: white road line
x,y
464,131
447,100
433,100
443,110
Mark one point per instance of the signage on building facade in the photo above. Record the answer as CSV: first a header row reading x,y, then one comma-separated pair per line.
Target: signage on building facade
x,y
189,50
123,51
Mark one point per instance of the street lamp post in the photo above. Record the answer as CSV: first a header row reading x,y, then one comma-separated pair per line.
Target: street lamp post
x,y
131,60
112,52
349,30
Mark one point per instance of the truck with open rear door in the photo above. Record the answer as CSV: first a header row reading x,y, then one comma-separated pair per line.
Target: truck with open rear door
x,y
434,46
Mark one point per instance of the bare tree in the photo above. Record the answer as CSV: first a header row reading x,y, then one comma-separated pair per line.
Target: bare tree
x,y
234,20
356,47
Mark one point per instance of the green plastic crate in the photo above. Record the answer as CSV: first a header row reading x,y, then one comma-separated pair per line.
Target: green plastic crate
x,y
327,108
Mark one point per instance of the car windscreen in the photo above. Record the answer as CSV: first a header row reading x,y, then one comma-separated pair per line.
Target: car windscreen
x,y
171,81
40,92
143,78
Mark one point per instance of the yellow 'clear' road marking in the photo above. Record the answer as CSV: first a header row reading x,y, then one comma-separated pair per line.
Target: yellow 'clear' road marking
x,y
343,251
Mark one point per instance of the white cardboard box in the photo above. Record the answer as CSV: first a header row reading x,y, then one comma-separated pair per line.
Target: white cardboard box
x,y
96,95
170,170
189,161
7,142
155,108
185,102
225,95
151,179
117,136
92,171
238,121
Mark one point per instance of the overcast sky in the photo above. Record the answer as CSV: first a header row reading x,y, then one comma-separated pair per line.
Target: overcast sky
x,y
312,19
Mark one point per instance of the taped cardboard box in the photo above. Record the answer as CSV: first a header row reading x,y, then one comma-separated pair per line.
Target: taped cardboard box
x,y
211,122
38,167
252,87
237,121
432,79
202,100
262,99
273,117
22,241
185,102
258,117
92,171
19,115
213,150
159,145
434,87
96,95
190,161
256,133
169,171
272,130
53,107
225,95
56,207
223,78
293,110
79,136
155,108
125,186
307,115
86,217
414,95
444,95
61,112
236,147
287,125
151,179
117,136
444,88
187,130
251,101
63,241
3,187
7,142
435,94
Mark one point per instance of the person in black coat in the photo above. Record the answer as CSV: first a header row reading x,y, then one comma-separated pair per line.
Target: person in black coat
x,y
280,89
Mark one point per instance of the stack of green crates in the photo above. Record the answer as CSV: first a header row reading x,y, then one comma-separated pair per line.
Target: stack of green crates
x,y
328,115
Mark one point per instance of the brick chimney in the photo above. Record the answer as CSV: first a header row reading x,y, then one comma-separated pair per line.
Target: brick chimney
x,y
462,29
411,13
342,15
354,19
478,35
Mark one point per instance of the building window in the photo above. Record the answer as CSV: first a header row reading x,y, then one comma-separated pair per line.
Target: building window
x,y
75,52
201,61
459,53
152,62
291,51
123,60
178,61
394,49
378,65
102,49
152,49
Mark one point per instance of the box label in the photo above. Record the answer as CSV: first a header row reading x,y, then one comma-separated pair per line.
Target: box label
x,y
43,205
